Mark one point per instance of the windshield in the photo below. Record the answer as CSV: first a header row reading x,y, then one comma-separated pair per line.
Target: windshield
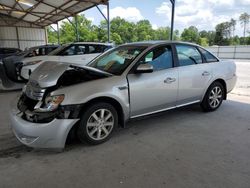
x,y
117,60
58,50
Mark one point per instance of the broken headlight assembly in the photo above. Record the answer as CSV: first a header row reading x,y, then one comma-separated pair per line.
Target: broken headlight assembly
x,y
50,103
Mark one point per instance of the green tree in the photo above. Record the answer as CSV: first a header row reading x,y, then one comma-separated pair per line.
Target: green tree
x,y
162,33
85,29
144,30
203,41
244,20
190,34
177,35
209,35
116,38
123,28
123,31
52,35
102,31
222,33
232,26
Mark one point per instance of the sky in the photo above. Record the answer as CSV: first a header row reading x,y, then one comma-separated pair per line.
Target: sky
x,y
204,14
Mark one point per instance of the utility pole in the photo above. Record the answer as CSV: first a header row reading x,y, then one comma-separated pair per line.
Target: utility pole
x,y
107,18
172,20
108,21
77,29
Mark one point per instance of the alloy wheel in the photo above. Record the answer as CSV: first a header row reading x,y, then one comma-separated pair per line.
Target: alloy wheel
x,y
100,124
215,97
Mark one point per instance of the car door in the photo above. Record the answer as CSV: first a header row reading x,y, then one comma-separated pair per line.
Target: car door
x,y
156,91
194,75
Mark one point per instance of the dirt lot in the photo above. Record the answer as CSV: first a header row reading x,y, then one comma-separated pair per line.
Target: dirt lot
x,y
179,148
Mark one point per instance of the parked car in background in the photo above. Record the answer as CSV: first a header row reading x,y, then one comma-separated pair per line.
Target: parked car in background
x,y
76,53
130,81
5,52
10,66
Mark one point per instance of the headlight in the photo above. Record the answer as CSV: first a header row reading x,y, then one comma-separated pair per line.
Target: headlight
x,y
32,63
51,103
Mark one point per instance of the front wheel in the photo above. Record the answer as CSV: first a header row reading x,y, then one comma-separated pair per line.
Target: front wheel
x,y
213,97
97,123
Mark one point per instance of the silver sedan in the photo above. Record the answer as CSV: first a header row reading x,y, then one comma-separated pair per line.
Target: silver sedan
x,y
127,82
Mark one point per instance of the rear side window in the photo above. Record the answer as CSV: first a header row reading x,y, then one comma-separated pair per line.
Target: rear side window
x,y
188,55
160,58
209,58
96,49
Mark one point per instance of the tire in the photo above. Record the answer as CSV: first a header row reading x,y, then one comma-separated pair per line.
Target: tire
x,y
213,97
93,127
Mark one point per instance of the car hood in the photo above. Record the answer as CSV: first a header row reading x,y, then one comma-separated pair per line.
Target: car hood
x,y
49,73
41,58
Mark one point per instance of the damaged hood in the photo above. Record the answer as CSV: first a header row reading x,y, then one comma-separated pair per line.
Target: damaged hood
x,y
48,73
41,58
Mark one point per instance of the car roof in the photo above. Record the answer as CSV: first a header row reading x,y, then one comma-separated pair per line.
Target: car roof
x,y
94,43
159,42
46,45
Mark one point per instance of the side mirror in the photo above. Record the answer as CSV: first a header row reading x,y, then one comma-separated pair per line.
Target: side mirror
x,y
144,68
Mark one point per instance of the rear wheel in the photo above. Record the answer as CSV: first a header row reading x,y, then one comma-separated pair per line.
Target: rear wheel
x,y
97,123
213,97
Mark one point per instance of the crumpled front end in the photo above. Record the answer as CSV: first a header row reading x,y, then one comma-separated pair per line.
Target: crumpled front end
x,y
38,118
41,128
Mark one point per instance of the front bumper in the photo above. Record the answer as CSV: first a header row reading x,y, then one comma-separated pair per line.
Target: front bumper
x,y
40,135
231,83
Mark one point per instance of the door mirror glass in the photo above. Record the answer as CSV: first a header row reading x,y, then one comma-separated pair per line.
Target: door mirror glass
x,y
144,68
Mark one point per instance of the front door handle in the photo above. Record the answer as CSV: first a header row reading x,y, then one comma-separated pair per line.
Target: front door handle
x,y
205,73
169,80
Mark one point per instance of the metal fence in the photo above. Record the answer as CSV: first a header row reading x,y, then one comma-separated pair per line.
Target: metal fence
x,y
230,52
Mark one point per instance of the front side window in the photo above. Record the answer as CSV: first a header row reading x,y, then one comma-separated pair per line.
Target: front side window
x,y
160,58
188,55
208,56
117,60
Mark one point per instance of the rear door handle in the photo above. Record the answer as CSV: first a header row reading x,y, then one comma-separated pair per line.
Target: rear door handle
x,y
205,73
169,80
